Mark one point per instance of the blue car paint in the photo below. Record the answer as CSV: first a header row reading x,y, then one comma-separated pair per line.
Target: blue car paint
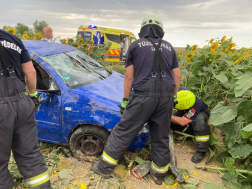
x,y
94,104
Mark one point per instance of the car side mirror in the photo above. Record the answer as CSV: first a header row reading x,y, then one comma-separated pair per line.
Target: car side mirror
x,y
43,97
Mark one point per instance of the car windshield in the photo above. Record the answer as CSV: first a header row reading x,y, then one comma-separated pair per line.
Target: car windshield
x,y
76,68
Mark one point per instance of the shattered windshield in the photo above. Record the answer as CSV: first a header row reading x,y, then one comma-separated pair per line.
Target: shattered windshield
x,y
76,68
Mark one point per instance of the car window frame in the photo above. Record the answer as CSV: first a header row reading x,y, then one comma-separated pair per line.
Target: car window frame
x,y
58,91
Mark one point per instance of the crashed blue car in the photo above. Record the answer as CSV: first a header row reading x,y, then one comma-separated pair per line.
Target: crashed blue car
x,y
79,99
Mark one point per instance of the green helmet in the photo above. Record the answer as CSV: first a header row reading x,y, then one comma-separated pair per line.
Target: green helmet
x,y
152,19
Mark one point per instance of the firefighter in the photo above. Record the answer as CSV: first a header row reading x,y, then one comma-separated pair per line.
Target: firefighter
x,y
191,118
18,127
151,81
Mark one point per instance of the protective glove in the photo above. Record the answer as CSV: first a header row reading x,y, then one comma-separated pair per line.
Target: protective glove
x,y
123,105
35,100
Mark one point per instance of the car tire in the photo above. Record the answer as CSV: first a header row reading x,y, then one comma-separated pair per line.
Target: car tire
x,y
87,142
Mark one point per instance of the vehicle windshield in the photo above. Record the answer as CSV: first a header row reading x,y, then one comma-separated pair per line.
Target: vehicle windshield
x,y
85,35
76,68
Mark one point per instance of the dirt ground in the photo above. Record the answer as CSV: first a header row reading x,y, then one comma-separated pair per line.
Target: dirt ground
x,y
82,173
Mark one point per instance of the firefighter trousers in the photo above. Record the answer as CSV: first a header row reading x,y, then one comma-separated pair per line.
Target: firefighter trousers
x,y
151,102
198,127
18,132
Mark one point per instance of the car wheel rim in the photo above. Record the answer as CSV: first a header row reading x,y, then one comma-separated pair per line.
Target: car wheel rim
x,y
91,145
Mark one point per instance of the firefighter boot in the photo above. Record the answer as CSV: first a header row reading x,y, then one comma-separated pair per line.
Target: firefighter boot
x,y
96,169
198,157
157,179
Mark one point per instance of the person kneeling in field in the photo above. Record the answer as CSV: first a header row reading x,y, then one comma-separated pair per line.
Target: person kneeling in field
x,y
191,117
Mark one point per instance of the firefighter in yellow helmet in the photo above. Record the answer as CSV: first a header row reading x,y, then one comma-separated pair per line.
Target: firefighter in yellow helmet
x,y
191,118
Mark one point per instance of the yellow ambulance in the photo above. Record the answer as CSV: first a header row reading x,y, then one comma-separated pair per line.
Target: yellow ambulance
x,y
103,35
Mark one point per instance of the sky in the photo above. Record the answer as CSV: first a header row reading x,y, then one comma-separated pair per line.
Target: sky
x,y
185,21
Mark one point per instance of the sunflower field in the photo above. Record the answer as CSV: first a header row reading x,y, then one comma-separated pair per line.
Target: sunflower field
x,y
96,52
221,75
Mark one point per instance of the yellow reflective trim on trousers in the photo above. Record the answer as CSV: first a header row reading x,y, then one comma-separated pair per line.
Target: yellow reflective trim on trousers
x,y
159,169
36,177
202,138
38,180
109,159
39,183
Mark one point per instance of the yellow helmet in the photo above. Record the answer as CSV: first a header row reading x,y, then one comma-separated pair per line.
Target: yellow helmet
x,y
185,100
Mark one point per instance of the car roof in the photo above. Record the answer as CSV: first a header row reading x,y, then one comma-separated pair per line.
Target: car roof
x,y
43,48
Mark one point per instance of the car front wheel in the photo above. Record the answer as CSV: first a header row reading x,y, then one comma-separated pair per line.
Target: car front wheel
x,y
88,141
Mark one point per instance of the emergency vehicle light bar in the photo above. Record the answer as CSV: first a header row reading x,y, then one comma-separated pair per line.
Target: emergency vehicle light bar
x,y
92,26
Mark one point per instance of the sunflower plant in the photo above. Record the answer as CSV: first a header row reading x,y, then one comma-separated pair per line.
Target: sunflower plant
x,y
221,75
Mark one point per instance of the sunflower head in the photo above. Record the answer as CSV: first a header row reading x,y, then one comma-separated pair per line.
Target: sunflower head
x,y
74,44
211,41
94,48
70,40
246,56
80,41
25,36
180,54
214,46
231,39
12,31
233,45
64,41
223,38
85,45
38,36
194,47
189,56
90,42
188,61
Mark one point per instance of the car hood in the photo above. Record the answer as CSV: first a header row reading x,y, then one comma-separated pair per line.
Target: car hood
x,y
104,94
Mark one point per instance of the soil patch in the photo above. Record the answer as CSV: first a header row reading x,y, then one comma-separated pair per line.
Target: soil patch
x,y
83,175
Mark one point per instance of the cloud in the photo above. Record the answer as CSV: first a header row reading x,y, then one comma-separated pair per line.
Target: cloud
x,y
184,21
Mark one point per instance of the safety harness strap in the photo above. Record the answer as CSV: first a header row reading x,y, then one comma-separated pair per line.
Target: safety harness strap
x,y
157,56
5,57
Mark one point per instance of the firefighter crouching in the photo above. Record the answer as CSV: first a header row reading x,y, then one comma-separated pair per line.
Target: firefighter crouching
x,y
18,127
151,81
191,118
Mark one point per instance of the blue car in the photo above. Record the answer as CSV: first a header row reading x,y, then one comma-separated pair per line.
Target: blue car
x,y
79,99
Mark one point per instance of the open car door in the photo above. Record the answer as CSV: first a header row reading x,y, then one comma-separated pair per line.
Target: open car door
x,y
49,115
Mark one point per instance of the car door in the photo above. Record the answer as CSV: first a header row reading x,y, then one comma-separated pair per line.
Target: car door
x,y
49,115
